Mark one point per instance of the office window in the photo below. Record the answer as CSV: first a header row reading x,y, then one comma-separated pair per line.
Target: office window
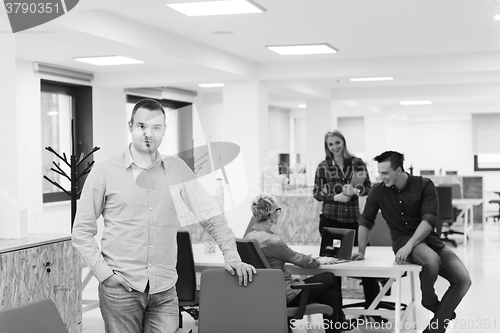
x,y
61,103
487,162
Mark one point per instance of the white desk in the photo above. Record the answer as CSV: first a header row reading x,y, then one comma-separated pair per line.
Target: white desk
x,y
379,263
466,205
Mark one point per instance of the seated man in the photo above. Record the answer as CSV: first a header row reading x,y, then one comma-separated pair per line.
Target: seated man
x,y
410,206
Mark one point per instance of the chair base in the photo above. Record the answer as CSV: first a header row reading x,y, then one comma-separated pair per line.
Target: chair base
x,y
192,312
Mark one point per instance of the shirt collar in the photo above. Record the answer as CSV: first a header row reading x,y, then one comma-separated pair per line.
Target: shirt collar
x,y
128,160
260,227
407,183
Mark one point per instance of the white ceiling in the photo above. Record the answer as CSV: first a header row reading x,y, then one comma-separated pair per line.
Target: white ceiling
x,y
447,51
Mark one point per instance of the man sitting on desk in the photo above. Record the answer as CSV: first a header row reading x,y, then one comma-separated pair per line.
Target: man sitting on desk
x,y
410,206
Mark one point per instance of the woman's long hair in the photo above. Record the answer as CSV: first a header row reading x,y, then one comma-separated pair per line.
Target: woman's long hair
x,y
345,152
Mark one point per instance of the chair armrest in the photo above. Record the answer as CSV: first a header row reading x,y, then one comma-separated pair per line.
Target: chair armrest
x,y
307,286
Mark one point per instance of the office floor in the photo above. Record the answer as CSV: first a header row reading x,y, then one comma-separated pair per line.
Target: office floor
x,y
477,313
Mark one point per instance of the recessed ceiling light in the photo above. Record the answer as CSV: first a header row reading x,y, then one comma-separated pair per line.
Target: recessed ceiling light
x,y
302,106
497,17
302,49
419,102
224,7
109,60
211,85
52,113
360,79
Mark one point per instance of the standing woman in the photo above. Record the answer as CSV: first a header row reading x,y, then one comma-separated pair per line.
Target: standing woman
x,y
332,186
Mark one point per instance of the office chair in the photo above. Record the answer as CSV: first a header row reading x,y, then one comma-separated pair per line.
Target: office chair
x,y
36,317
251,253
495,217
446,215
225,306
187,292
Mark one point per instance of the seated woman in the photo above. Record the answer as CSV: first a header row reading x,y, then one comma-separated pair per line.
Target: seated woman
x,y
277,252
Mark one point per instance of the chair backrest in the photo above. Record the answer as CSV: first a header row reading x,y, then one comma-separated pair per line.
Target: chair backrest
x,y
456,190
251,253
225,306
186,282
380,235
36,317
445,195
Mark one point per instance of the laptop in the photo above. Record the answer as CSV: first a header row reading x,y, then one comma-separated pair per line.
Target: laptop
x,y
337,243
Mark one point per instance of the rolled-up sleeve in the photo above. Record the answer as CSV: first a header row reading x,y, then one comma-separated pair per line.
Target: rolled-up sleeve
x,y
430,204
367,218
208,213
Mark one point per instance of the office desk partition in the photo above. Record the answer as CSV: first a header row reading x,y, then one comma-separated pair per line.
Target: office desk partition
x,y
379,263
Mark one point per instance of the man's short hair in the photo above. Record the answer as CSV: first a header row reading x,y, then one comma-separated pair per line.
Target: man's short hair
x,y
396,159
148,104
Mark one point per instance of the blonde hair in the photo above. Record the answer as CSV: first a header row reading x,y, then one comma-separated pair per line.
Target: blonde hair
x,y
263,206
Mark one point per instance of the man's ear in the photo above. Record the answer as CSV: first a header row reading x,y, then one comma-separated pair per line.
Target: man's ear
x,y
130,126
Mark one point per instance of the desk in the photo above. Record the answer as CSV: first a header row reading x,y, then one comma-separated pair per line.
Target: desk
x,y
379,263
466,206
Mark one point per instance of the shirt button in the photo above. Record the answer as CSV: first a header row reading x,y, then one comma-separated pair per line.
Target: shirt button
x,y
400,201
150,208
150,265
402,213
150,245
152,227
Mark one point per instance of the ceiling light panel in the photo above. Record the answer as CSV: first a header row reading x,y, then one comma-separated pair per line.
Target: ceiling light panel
x,y
419,102
302,49
224,7
365,79
109,60
211,85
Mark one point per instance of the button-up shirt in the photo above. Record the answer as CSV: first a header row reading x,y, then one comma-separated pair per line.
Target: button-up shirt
x,y
330,179
404,209
142,211
278,254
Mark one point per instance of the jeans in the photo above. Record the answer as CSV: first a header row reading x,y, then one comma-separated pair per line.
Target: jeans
x,y
444,263
136,312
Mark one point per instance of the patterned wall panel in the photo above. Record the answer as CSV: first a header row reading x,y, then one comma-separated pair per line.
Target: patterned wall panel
x,y
51,270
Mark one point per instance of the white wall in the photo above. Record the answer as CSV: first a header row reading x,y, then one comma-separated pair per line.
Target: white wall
x,y
279,131
351,128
